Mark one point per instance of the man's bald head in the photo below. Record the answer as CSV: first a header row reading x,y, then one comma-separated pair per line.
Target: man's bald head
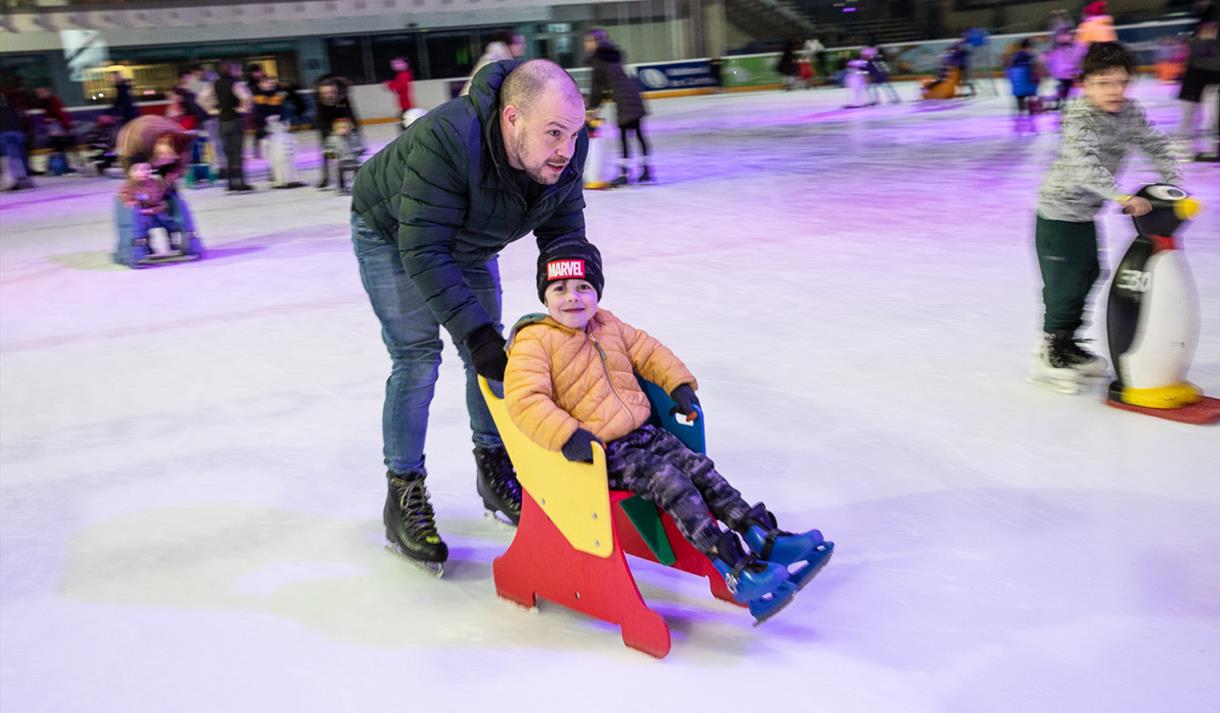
x,y
541,116
531,81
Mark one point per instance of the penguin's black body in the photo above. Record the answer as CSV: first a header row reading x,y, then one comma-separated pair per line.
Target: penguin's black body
x,y
1152,317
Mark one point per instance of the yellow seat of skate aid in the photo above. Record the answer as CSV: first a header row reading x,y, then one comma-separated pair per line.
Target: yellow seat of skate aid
x,y
574,496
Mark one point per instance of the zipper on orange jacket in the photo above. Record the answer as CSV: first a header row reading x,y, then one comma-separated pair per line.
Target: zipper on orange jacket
x,y
606,368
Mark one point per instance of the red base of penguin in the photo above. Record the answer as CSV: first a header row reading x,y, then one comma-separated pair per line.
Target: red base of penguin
x,y
1201,412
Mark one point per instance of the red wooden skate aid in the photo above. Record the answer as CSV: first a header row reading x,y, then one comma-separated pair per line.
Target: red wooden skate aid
x,y
574,534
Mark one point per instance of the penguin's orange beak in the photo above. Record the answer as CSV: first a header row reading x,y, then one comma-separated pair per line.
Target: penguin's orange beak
x,y
1186,208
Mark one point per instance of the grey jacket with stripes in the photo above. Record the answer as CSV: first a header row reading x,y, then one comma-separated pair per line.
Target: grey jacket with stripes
x,y
1090,155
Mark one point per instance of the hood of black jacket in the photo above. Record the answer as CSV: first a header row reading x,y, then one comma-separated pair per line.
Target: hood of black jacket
x,y
608,53
485,96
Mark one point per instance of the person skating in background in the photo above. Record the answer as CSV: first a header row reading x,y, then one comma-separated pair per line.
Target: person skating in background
x,y
1063,64
178,110
268,102
61,138
611,80
571,382
1096,26
878,74
504,44
786,65
12,139
960,57
124,107
401,86
187,90
344,148
1202,75
1024,73
1097,133
816,52
333,105
163,145
235,101
204,86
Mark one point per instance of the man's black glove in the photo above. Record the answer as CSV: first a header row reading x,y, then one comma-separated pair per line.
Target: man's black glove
x,y
684,397
579,448
487,352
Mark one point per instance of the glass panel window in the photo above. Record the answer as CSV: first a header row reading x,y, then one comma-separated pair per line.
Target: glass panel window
x,y
449,55
347,58
387,47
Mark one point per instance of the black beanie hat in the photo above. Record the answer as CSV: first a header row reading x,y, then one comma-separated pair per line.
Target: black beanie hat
x,y
569,259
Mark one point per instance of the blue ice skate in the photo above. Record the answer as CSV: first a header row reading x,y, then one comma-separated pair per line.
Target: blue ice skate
x,y
765,587
807,551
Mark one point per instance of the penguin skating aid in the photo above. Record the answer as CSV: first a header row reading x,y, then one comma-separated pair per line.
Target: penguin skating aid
x,y
1152,316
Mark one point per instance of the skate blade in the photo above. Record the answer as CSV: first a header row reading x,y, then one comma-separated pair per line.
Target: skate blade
x,y
436,569
1062,386
764,611
802,577
500,519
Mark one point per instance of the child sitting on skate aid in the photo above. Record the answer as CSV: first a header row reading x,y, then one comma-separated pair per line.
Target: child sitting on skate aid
x,y
571,381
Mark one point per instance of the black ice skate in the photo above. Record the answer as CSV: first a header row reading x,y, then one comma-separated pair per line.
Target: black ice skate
x,y
410,524
1064,365
497,484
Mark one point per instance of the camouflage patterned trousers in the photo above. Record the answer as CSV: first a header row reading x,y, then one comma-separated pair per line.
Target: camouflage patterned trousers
x,y
652,463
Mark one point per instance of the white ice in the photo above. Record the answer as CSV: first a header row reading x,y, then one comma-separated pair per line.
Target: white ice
x,y
192,480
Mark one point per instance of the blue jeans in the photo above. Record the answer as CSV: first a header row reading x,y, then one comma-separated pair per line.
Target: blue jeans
x,y
142,223
14,149
412,335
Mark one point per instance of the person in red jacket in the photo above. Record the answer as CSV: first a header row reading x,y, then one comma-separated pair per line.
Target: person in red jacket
x,y
401,86
58,124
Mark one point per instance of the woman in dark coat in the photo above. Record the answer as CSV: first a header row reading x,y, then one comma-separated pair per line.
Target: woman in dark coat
x,y
609,78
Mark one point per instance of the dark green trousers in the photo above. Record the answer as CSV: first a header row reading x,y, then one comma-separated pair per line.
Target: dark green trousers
x,y
1067,256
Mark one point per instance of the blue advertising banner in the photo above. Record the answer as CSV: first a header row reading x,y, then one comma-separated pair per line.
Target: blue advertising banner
x,y
674,75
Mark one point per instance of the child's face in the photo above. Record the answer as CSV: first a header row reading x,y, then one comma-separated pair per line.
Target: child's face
x,y
141,171
343,128
1108,90
572,303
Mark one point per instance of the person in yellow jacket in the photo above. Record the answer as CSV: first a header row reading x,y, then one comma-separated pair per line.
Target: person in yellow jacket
x,y
571,380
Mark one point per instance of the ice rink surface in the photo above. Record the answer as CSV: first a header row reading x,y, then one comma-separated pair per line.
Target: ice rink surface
x,y
192,480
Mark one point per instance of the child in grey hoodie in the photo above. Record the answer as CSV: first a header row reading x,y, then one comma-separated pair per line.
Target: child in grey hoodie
x,y
1096,133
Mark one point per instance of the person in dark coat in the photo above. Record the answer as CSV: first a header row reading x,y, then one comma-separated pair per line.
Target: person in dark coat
x,y
610,79
786,66
333,104
124,106
235,102
430,213
1202,72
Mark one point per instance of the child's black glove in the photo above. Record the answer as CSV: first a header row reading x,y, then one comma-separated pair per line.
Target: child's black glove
x,y
579,448
685,397
487,352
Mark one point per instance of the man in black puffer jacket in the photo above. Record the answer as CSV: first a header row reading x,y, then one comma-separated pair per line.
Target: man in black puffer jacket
x,y
430,213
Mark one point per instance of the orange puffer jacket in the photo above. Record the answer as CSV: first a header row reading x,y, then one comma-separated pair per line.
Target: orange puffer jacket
x,y
560,379
1099,28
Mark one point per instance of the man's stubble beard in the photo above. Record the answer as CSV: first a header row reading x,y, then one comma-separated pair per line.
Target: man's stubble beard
x,y
534,174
